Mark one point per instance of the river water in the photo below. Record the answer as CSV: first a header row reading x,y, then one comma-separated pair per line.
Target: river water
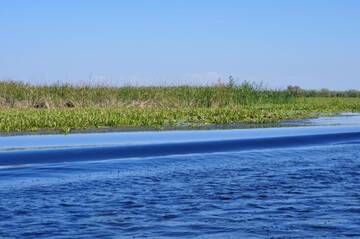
x,y
292,182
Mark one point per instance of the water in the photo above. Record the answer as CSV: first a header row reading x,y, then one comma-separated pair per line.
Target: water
x,y
307,189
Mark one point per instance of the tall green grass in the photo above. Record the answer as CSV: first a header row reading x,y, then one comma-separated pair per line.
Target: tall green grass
x,y
20,95
65,107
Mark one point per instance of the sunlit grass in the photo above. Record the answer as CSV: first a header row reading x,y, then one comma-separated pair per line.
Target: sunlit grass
x,y
66,107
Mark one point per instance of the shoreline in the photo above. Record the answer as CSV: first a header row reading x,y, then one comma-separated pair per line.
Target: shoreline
x,y
28,109
147,129
208,127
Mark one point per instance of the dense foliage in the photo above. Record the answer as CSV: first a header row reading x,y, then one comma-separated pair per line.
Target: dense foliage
x,y
65,107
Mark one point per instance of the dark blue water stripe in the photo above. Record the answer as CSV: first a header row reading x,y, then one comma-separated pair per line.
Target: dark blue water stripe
x,y
102,153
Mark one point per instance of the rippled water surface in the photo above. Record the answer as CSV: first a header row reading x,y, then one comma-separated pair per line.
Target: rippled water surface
x,y
307,191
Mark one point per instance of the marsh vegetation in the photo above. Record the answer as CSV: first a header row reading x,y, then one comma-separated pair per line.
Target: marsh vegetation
x,y
66,107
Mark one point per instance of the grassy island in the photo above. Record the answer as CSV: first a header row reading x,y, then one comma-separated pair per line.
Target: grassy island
x,y
64,107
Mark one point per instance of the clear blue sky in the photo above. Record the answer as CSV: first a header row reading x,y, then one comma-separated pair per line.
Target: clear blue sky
x,y
311,43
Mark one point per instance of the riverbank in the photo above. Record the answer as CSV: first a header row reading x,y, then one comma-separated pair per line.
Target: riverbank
x,y
26,108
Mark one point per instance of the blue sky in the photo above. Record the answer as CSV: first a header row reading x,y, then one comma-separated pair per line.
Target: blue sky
x,y
311,43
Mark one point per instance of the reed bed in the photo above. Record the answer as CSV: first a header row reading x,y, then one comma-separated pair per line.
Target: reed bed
x,y
64,107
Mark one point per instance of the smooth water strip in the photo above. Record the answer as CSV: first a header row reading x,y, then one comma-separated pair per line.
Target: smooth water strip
x,y
39,156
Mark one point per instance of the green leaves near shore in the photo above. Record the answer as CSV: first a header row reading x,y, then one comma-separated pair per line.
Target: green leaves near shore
x,y
18,120
64,108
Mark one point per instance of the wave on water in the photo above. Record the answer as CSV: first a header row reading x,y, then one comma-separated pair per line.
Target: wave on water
x,y
74,154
